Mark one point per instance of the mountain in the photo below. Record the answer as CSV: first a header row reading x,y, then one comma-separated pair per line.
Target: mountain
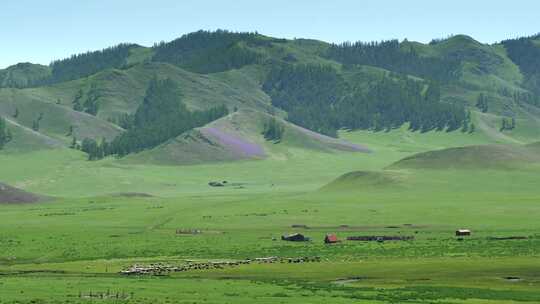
x,y
449,85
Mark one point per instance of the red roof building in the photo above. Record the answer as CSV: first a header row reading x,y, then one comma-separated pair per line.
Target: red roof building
x,y
331,239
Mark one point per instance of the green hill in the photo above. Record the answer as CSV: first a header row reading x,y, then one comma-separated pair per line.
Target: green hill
x,y
121,92
28,107
473,157
534,146
364,180
239,136
23,75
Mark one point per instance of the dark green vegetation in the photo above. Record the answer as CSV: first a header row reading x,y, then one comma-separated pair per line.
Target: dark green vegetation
x,y
210,52
82,65
319,98
425,139
5,133
399,57
445,85
524,52
273,130
23,75
482,103
161,116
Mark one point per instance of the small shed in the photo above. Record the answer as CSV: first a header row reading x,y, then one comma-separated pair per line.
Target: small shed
x,y
463,232
331,239
295,237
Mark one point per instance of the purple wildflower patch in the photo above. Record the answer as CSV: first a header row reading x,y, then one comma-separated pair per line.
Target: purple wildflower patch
x,y
235,143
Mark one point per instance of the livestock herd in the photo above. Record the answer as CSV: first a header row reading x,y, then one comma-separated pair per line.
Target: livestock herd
x,y
163,269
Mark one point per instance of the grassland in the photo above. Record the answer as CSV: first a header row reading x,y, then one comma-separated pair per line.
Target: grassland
x,y
70,250
110,214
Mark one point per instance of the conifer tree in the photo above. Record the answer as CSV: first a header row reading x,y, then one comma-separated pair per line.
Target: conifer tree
x,y
472,128
320,99
504,125
465,127
273,130
482,103
77,106
73,143
5,133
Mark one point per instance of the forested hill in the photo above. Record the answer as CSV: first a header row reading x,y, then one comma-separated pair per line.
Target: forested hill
x,y
100,98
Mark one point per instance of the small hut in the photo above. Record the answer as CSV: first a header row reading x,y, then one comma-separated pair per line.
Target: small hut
x,y
463,232
331,239
295,237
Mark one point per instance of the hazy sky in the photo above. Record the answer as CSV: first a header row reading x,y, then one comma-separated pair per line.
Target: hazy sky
x,y
39,31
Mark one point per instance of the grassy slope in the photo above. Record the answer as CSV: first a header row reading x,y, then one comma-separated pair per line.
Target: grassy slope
x,y
57,118
124,89
121,92
23,74
66,173
240,223
485,69
276,193
200,146
484,65
25,139
474,157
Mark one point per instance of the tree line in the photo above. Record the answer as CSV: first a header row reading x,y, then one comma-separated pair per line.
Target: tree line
x,y
160,117
86,64
319,98
208,52
525,52
77,66
201,51
394,56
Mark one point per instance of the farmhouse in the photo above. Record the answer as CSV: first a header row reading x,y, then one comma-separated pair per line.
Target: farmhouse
x,y
331,239
295,237
463,232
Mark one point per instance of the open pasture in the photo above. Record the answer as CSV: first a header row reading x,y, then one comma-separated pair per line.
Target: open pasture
x,y
108,216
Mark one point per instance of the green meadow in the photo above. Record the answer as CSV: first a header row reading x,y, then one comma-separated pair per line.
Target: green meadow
x,y
109,214
184,202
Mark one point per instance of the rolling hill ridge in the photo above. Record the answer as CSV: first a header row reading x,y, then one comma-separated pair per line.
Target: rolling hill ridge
x,y
311,84
239,136
474,157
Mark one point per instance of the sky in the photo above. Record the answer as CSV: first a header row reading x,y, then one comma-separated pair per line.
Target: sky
x,y
40,31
